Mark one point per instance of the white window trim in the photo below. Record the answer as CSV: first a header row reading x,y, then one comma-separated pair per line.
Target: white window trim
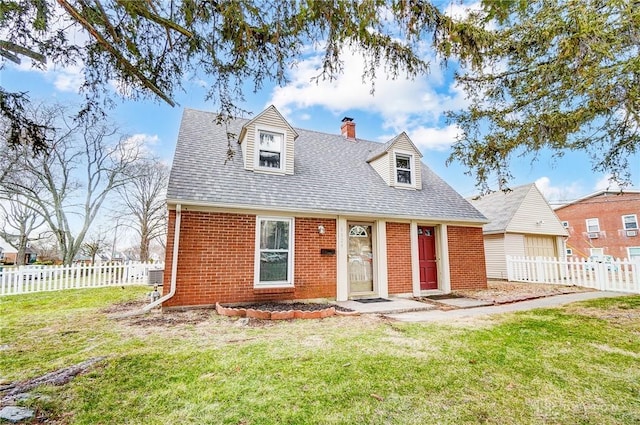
x,y
596,252
624,224
587,225
412,164
256,269
629,248
283,151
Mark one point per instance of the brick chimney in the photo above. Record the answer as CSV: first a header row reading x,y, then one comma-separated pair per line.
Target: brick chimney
x,y
348,128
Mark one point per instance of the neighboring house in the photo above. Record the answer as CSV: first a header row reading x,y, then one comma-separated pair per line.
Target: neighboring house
x,y
9,254
521,223
298,214
603,223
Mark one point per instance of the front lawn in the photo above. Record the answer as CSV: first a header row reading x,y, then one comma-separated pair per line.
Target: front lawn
x,y
577,364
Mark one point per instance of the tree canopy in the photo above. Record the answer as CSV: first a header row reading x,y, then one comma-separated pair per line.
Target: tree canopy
x,y
562,76
148,48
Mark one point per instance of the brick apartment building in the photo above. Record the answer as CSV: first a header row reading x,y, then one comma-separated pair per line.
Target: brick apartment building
x,y
603,223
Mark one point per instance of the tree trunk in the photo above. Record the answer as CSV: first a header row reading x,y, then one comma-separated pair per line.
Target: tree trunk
x,y
144,242
144,249
22,250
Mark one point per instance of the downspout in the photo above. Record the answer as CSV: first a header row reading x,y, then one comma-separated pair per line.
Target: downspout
x,y
174,264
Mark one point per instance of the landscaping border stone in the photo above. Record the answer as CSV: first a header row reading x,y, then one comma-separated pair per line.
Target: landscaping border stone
x,y
239,311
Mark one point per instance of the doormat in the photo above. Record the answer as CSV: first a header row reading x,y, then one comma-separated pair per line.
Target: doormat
x,y
372,300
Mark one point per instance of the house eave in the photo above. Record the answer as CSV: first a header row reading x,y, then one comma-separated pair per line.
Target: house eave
x,y
239,208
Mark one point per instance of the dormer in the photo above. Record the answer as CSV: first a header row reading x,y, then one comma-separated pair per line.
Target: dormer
x,y
398,163
267,143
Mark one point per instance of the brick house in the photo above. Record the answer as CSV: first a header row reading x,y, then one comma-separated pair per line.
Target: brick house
x,y
521,224
603,223
303,215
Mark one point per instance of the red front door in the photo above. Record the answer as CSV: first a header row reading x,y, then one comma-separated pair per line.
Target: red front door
x,y
427,257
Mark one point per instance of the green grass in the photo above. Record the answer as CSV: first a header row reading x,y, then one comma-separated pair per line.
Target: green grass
x,y
574,365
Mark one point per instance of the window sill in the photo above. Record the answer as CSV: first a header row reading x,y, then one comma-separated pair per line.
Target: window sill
x,y
273,289
276,171
404,186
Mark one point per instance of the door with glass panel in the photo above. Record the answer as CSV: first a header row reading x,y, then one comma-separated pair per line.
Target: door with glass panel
x,y
360,261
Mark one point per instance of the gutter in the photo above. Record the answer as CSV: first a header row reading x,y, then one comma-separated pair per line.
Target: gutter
x,y
256,209
174,264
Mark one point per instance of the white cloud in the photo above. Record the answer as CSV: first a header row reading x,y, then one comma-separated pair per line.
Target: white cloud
x,y
415,106
141,142
69,79
605,183
558,194
434,138
461,11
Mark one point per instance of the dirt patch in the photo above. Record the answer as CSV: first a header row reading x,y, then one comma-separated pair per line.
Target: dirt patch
x,y
125,306
501,292
171,318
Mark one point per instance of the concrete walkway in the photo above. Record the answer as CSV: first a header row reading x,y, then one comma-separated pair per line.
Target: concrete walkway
x,y
553,301
393,305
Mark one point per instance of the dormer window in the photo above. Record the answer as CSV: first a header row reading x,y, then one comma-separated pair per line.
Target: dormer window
x,y
270,150
404,169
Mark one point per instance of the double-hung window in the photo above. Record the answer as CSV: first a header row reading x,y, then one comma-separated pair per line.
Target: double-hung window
x,y
270,150
274,251
404,169
630,222
593,225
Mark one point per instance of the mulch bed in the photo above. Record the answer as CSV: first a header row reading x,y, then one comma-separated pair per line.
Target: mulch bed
x,y
273,306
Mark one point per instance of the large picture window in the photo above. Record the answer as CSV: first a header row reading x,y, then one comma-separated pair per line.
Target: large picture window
x,y
274,253
270,150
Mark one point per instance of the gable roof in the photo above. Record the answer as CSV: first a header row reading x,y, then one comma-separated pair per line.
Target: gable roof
x,y
331,176
522,209
387,147
257,117
500,207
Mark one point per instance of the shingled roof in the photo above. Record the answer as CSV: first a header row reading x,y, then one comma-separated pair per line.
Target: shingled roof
x,y
332,176
500,207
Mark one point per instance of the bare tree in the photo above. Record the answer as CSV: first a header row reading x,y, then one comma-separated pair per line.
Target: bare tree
x,y
19,220
94,243
47,249
68,184
143,198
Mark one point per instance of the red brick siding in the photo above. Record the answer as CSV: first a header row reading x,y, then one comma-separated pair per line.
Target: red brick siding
x,y
315,274
216,260
608,209
466,258
399,258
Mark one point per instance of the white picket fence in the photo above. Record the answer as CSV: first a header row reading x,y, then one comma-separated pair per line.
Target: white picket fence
x,y
32,278
617,275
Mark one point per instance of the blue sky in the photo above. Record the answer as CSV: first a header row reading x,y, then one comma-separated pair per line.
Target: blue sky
x,y
415,106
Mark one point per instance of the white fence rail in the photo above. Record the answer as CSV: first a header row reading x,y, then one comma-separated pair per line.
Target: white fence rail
x,y
616,275
28,279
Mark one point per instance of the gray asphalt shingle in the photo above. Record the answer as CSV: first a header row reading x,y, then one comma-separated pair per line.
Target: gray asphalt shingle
x,y
331,176
500,207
